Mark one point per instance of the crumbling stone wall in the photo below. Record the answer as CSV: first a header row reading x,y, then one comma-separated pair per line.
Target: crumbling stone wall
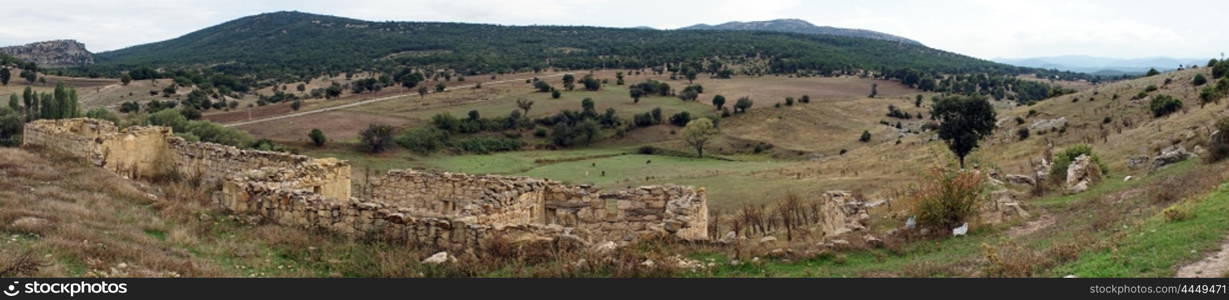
x,y
493,199
446,210
149,151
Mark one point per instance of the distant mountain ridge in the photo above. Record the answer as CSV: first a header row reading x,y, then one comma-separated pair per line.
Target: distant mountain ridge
x,y
801,26
57,53
294,45
1102,65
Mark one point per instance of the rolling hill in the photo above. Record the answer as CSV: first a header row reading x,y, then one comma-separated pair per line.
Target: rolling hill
x,y
801,26
299,45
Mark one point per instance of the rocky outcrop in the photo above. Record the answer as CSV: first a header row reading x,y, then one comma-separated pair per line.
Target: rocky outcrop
x,y
1082,174
58,53
1169,156
1019,179
1047,125
842,213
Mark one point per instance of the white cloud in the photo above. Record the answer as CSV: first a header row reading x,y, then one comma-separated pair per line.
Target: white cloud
x,y
980,28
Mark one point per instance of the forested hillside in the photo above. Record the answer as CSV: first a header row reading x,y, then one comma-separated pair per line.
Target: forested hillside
x,y
293,45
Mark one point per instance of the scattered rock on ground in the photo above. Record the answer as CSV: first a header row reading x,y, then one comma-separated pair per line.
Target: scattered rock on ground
x,y
439,258
1082,174
1170,156
962,230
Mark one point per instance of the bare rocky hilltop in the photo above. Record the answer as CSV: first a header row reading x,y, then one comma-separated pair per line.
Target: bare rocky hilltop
x,y
57,53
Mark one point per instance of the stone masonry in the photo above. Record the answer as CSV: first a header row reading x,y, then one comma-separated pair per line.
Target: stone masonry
x,y
443,210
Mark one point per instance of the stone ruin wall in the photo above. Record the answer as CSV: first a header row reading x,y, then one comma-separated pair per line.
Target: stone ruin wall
x,y
493,199
446,210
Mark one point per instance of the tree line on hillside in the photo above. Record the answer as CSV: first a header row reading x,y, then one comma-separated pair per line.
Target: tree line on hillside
x,y
288,47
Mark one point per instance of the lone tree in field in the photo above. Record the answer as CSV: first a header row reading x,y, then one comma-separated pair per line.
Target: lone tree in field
x,y
719,101
636,93
317,137
524,104
422,91
963,122
743,104
698,133
376,138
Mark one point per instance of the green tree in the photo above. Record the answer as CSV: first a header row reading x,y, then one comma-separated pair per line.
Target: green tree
x,y
524,104
743,104
126,79
874,90
14,104
425,140
422,92
555,94
690,73
963,122
568,81
317,137
698,133
376,138
1199,80
1152,72
5,76
296,105
440,87
636,93
719,101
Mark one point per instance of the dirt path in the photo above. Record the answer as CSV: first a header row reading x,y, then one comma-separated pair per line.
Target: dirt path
x,y
365,102
1214,265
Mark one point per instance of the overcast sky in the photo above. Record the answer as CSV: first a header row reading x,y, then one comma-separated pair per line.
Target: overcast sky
x,y
986,29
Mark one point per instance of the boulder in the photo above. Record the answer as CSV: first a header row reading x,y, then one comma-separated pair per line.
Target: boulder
x,y
1020,179
872,241
1138,162
606,247
1169,156
962,230
1082,174
31,224
439,258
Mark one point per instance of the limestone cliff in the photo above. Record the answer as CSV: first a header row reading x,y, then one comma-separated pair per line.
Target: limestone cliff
x,y
58,53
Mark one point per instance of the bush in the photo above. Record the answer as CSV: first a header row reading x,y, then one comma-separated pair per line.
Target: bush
x,y
1062,160
488,145
11,125
1199,80
376,138
317,137
540,132
866,137
680,119
1022,133
214,133
647,150
1218,143
103,114
424,140
1164,104
948,198
169,118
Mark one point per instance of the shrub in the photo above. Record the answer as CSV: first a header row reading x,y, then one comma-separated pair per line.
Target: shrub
x,y
1199,80
1177,214
866,137
1062,160
680,119
647,150
102,114
948,198
317,137
1218,143
214,133
11,125
169,118
423,140
540,132
1164,104
488,145
376,138
1022,133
